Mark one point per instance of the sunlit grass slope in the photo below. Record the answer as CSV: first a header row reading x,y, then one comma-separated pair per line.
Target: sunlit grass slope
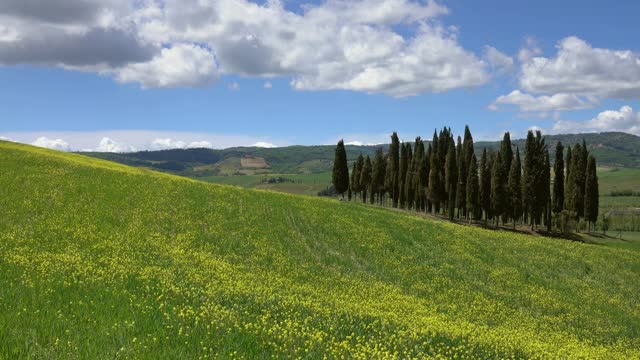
x,y
99,260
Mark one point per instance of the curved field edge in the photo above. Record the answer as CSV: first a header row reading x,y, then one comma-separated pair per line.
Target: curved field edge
x,y
99,259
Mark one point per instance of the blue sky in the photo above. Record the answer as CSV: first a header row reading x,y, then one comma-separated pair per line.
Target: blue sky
x,y
239,83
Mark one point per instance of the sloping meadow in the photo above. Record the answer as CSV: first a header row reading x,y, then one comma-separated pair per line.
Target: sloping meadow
x,y
101,260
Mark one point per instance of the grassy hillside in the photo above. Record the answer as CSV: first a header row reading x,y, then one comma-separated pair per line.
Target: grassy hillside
x,y
100,260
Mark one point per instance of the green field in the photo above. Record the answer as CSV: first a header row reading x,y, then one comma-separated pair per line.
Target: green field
x,y
100,260
302,184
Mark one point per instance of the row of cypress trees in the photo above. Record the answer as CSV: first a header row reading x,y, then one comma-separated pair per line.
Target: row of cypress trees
x,y
446,178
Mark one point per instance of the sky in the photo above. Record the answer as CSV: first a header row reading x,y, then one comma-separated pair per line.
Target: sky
x,y
124,75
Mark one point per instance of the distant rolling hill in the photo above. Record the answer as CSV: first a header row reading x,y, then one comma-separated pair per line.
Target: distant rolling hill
x,y
101,260
610,149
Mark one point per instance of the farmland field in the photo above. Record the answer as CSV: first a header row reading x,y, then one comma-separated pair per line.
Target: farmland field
x,y
101,260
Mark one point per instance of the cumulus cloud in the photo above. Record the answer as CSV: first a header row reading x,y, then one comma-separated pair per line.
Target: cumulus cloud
x,y
625,119
268,85
56,144
497,59
136,140
264,144
336,44
168,143
110,145
234,86
183,65
543,103
579,68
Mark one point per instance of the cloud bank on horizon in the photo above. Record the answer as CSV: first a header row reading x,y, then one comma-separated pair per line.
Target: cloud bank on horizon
x,y
399,48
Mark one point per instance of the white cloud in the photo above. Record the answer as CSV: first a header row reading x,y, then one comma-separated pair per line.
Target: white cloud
x,y
581,69
109,145
182,65
497,59
234,86
625,120
137,140
336,44
264,144
56,144
530,50
268,85
168,143
199,144
543,103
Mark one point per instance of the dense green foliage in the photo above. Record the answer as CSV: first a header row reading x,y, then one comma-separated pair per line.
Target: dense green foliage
x,y
99,260
340,174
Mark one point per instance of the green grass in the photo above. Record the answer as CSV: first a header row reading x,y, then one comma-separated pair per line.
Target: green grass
x,y
618,179
304,184
99,260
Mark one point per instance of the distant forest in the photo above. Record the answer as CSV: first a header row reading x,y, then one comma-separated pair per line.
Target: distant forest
x,y
446,178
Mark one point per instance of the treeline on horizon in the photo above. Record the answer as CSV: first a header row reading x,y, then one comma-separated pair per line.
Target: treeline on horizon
x,y
447,179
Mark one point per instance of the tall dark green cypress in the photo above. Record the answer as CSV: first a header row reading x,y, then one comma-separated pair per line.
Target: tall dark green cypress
x,y
356,178
425,178
377,178
485,185
474,210
534,196
498,188
506,153
435,179
352,184
394,169
546,188
365,178
451,178
461,185
408,179
402,174
558,180
468,153
568,180
515,188
340,175
591,201
577,176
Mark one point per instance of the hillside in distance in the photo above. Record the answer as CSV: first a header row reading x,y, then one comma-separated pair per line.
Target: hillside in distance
x,y
610,149
102,260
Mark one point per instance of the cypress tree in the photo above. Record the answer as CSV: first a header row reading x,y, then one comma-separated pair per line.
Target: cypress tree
x,y
365,178
352,183
568,181
558,181
485,185
577,177
497,188
533,182
425,178
416,180
340,175
546,189
506,153
377,178
451,178
356,179
461,185
468,153
473,191
408,179
394,169
403,174
591,201
434,180
515,188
